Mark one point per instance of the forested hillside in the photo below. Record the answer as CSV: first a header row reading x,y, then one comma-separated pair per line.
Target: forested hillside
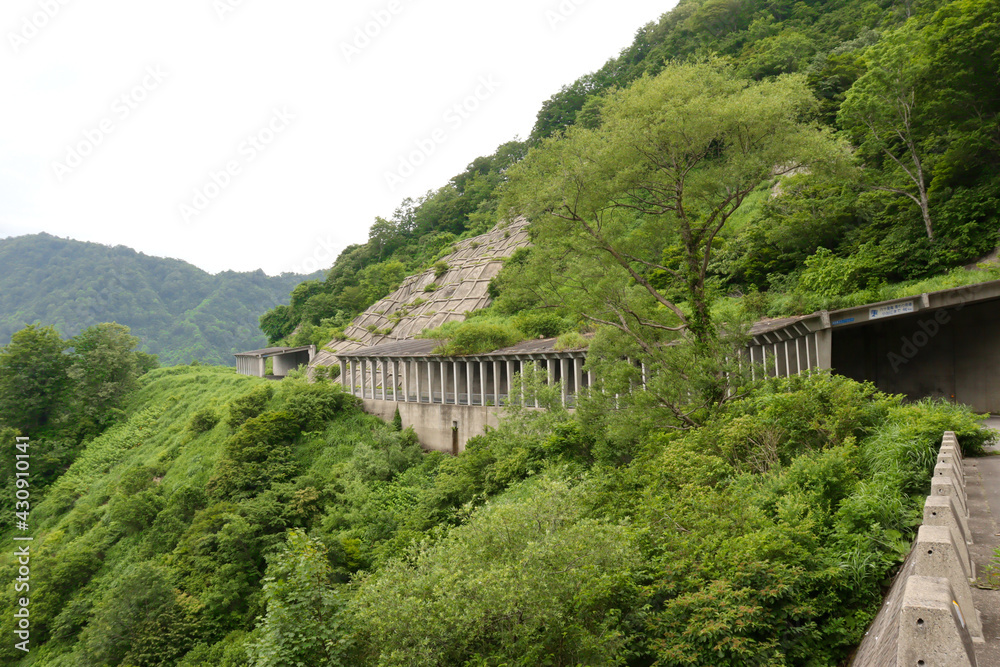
x,y
231,522
179,312
911,88
741,158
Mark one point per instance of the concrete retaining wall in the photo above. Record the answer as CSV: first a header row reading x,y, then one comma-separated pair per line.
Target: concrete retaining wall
x,y
442,428
928,617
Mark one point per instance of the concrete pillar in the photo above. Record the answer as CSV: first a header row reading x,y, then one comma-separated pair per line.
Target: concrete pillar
x,y
947,456
777,373
496,383
798,357
395,380
936,556
947,469
564,380
510,379
644,377
753,367
371,369
788,363
809,363
578,374
824,349
931,631
442,368
483,371
945,486
468,381
416,367
385,379
458,383
261,367
538,369
406,380
550,371
950,440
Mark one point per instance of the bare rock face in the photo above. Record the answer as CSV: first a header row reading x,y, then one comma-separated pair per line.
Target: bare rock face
x,y
426,301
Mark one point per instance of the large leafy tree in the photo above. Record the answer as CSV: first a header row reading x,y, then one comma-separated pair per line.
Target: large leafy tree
x,y
106,369
883,112
626,215
652,188
33,378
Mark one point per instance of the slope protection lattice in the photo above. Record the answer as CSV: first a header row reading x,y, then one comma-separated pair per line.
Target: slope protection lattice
x,y
462,289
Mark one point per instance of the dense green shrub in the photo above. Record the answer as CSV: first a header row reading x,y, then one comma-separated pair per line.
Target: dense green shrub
x,y
312,405
256,456
541,324
249,405
203,420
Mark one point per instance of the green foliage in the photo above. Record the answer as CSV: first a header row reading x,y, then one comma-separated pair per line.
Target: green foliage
x,y
304,623
127,613
528,580
178,311
541,324
572,341
203,420
312,405
249,405
474,336
440,268
256,456
625,217
33,378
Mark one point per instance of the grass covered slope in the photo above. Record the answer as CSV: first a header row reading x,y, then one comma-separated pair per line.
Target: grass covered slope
x,y
230,521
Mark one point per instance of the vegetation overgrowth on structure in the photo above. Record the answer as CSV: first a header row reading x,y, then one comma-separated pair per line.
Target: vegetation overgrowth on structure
x,y
911,88
684,513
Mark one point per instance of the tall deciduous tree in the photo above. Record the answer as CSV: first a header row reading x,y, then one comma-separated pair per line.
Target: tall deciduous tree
x,y
33,377
626,215
305,622
882,111
106,369
652,188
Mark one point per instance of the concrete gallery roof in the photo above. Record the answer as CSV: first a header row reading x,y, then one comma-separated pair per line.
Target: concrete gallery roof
x,y
273,351
424,348
763,333
770,331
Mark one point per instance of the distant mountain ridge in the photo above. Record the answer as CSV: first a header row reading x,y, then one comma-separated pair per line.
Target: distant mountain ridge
x,y
179,311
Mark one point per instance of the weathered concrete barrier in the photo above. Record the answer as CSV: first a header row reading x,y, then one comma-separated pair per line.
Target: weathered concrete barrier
x,y
940,511
949,468
937,556
932,631
929,618
945,486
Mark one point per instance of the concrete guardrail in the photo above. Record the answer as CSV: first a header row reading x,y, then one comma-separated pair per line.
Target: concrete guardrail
x,y
928,619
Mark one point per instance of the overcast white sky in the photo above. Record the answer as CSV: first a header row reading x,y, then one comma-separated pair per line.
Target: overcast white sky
x,y
245,134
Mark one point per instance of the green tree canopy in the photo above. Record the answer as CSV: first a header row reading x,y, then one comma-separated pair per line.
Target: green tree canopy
x,y
106,369
33,379
649,191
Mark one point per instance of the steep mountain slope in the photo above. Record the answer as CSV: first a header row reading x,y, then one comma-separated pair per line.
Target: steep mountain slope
x,y
180,312
458,285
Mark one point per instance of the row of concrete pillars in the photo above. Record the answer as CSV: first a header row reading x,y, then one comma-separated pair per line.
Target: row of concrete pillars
x,y
458,382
